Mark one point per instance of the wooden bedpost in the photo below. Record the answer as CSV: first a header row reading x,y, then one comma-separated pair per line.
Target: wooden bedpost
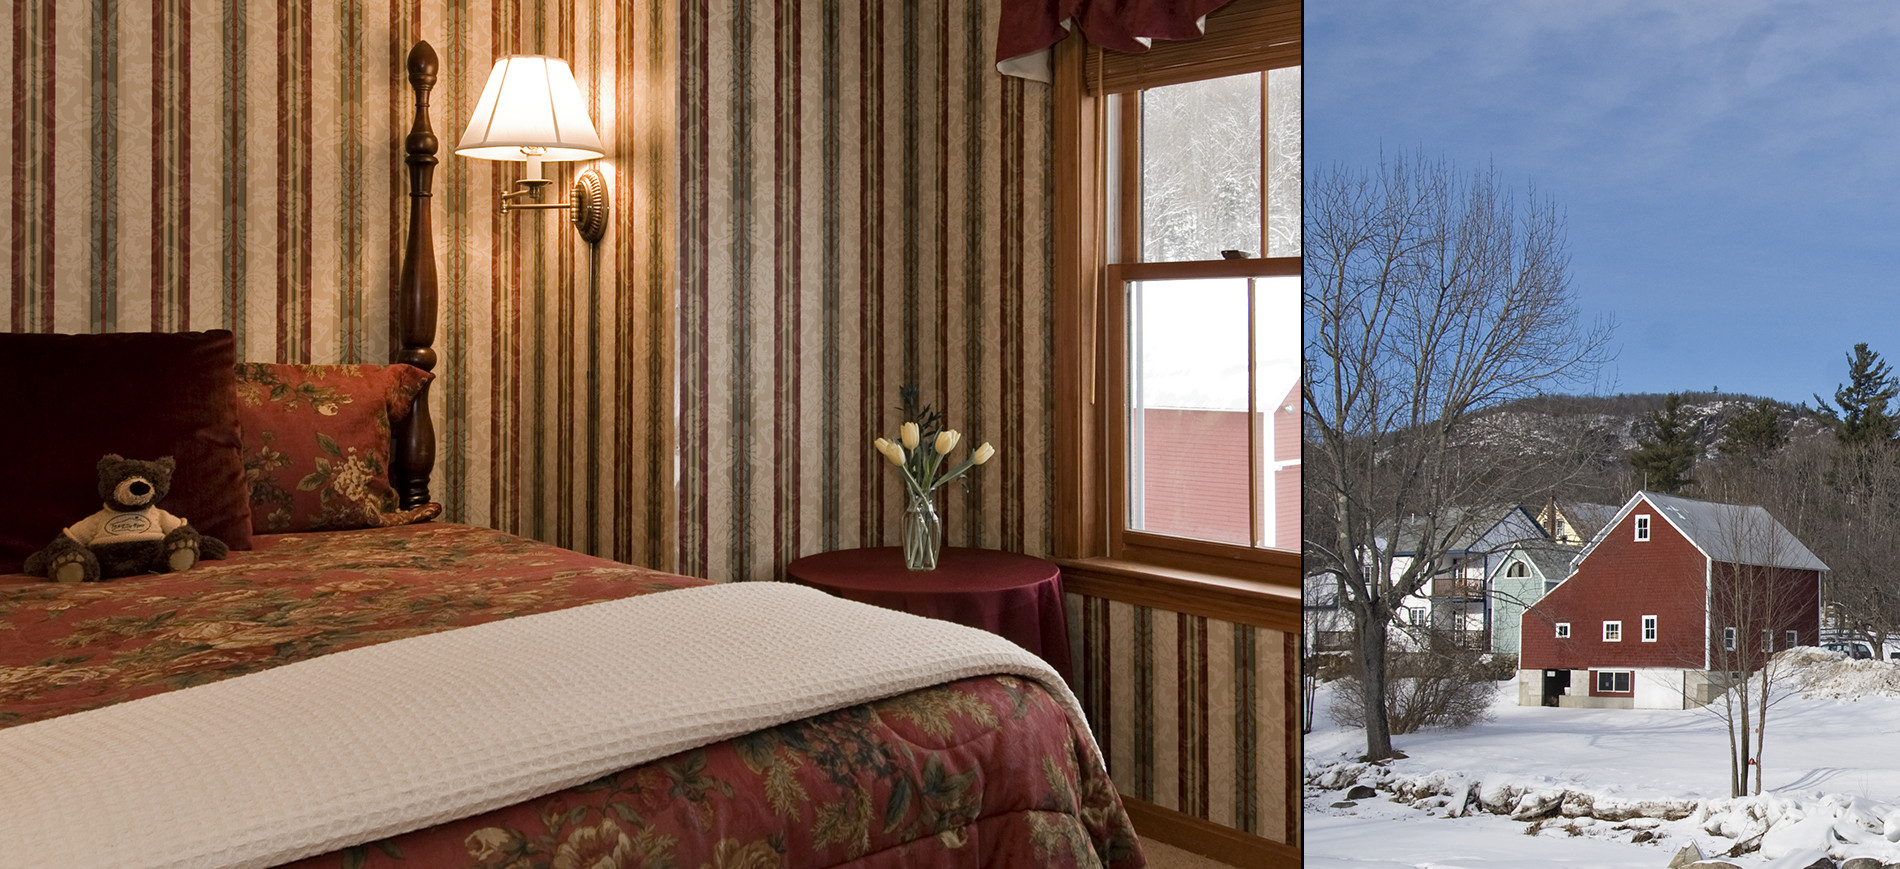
x,y
413,304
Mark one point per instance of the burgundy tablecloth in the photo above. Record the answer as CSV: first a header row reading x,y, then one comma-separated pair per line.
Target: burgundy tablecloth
x,y
1015,596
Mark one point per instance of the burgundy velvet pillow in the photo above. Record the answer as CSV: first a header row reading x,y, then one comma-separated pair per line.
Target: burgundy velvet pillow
x,y
317,444
73,398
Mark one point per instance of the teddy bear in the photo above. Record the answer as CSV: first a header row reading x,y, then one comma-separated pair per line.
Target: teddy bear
x,y
131,534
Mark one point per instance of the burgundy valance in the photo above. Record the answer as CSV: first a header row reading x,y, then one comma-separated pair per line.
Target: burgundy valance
x,y
1030,27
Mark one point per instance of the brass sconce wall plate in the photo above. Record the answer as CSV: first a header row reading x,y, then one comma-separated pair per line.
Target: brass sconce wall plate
x,y
590,206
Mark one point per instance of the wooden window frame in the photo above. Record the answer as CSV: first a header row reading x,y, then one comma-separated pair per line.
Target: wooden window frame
x,y
1642,527
1090,333
1650,631
1613,627
1629,680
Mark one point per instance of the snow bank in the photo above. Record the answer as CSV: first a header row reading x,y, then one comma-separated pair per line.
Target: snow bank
x,y
1643,777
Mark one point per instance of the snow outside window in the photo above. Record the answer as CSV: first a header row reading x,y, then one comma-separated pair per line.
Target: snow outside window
x,y
1613,681
1728,639
1649,629
1642,527
1613,632
1563,630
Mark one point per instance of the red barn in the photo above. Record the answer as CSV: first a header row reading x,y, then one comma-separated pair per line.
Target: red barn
x,y
1668,600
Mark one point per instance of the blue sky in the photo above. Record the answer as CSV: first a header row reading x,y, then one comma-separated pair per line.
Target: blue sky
x,y
1730,171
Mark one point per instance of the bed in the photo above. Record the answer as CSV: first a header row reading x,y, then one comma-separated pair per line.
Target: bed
x,y
159,719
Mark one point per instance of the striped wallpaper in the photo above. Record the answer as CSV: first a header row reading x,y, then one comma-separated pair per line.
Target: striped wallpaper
x,y
1195,714
865,202
196,164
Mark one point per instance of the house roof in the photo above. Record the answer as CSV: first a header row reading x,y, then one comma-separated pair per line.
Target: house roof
x,y
1553,560
1588,519
1472,523
1731,533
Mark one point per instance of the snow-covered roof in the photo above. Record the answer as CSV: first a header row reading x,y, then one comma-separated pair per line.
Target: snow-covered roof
x,y
1732,533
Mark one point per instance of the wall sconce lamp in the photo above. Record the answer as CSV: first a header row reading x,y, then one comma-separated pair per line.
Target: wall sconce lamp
x,y
532,111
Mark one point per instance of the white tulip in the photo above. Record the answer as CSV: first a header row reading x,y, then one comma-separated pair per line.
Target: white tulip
x,y
982,453
947,441
908,432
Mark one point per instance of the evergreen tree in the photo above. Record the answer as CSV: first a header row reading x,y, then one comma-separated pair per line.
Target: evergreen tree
x,y
1755,433
1859,414
1665,448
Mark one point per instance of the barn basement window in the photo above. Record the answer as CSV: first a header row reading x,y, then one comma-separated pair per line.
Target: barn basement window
x,y
1613,631
1613,681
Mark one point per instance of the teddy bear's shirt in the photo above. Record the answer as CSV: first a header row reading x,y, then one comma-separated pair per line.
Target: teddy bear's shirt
x,y
113,526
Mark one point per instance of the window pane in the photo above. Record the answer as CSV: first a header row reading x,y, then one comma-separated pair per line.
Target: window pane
x,y
1200,169
1283,162
1187,423
1277,350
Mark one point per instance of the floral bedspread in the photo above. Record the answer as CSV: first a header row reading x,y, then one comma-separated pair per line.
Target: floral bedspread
x,y
981,772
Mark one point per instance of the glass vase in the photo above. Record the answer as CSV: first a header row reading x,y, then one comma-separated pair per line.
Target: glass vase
x,y
923,533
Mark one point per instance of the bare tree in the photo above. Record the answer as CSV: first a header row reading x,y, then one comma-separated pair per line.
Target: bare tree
x,y
1763,599
1428,298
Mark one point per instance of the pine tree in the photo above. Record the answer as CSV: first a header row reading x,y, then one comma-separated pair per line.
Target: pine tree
x,y
1666,449
1859,414
1755,433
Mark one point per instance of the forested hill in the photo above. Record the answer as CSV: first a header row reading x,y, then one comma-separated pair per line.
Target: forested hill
x,y
1596,434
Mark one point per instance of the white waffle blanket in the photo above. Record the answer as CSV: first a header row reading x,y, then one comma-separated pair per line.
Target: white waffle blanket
x,y
355,746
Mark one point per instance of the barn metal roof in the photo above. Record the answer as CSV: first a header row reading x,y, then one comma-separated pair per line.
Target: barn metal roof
x,y
1732,533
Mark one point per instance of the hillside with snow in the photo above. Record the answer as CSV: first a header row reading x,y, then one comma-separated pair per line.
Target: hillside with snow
x,y
1590,788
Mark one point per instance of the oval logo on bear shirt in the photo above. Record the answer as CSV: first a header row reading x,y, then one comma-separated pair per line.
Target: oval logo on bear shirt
x,y
128,523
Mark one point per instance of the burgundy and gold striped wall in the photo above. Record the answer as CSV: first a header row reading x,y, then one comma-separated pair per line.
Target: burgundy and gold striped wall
x,y
232,164
1195,714
865,202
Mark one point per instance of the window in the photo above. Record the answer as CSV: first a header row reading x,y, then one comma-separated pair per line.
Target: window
x,y
1767,641
1550,585
1517,568
1649,629
1794,639
1642,527
1415,615
1613,631
1728,639
1563,630
1182,268
1613,681
1208,356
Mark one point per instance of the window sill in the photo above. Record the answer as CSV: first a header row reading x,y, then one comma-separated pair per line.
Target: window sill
x,y
1208,595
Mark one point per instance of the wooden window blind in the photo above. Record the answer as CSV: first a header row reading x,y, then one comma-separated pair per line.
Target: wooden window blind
x,y
1243,36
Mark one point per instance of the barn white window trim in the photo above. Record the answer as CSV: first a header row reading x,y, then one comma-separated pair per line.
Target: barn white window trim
x,y
1563,630
1794,639
1642,527
1613,630
1649,629
1614,681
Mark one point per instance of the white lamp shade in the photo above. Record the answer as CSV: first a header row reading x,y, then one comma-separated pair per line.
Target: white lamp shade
x,y
530,101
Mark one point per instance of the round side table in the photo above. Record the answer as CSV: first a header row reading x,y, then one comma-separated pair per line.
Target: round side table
x,y
1017,597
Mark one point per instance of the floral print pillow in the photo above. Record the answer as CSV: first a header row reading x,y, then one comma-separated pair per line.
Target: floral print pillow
x,y
317,444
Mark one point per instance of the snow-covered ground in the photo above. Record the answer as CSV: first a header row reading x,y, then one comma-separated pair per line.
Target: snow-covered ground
x,y
1630,787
